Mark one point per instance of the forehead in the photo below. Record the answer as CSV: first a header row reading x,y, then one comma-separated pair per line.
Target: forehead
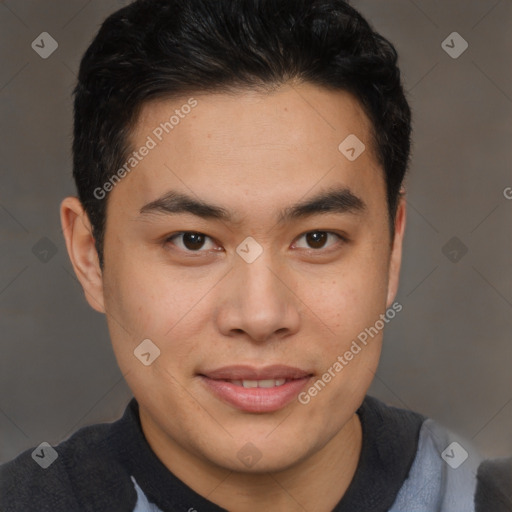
x,y
252,146
249,118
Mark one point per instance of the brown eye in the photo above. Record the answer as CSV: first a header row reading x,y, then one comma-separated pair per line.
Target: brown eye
x,y
318,240
191,241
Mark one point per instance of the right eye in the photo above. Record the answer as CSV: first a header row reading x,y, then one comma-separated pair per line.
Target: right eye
x,y
189,241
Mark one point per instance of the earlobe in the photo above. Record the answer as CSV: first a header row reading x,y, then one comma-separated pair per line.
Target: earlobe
x,y
396,251
81,248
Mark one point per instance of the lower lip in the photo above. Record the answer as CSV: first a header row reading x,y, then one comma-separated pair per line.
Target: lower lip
x,y
256,399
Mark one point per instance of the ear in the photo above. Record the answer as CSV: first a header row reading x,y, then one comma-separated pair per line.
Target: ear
x,y
395,261
82,251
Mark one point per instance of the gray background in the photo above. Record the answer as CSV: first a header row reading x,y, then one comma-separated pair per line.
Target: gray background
x,y
447,355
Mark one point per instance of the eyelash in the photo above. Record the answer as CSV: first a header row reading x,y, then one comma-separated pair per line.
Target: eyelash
x,y
341,240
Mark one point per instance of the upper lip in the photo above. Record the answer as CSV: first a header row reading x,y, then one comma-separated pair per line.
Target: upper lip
x,y
245,372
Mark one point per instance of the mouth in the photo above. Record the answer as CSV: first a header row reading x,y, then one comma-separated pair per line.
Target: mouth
x,y
265,383
256,390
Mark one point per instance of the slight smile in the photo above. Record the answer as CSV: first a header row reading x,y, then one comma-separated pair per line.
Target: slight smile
x,y
256,390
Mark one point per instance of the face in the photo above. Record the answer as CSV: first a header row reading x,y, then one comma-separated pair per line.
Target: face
x,y
251,252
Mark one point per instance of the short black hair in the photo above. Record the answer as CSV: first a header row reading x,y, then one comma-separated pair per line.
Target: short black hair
x,y
161,49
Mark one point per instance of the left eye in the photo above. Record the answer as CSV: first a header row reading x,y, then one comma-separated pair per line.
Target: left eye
x,y
318,239
191,241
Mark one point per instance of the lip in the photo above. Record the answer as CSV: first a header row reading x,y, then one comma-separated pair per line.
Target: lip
x,y
256,400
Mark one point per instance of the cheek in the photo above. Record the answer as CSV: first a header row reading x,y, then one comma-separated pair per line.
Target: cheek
x,y
350,298
151,303
149,298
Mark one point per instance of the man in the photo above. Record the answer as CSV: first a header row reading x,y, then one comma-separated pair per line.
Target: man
x,y
239,221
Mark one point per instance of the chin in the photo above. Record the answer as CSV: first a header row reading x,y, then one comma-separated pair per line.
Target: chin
x,y
256,458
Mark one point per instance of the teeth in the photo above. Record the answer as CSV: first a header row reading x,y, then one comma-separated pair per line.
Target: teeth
x,y
270,383
267,383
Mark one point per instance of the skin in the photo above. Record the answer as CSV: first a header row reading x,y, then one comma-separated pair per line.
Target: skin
x,y
251,153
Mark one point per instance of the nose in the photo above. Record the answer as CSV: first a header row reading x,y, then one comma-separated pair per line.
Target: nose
x,y
257,302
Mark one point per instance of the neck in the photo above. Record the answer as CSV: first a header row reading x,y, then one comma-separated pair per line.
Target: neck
x,y
316,483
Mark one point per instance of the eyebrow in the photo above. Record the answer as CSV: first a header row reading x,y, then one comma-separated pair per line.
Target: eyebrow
x,y
337,200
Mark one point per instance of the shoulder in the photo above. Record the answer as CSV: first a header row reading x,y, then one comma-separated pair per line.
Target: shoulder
x,y
437,468
68,477
443,474
494,486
